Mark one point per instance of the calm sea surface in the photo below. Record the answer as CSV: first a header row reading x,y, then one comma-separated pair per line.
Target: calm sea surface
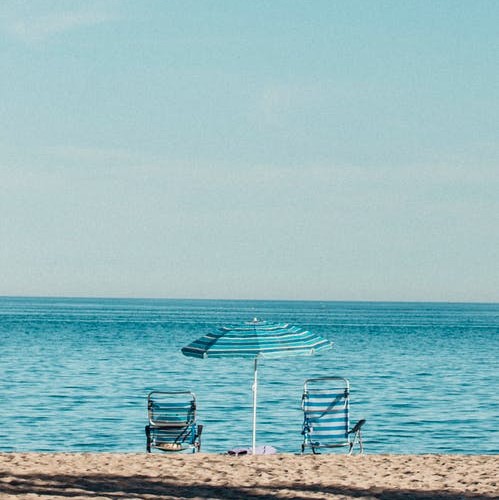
x,y
75,373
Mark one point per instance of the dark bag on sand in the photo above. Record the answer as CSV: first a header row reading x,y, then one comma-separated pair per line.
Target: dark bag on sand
x,y
259,450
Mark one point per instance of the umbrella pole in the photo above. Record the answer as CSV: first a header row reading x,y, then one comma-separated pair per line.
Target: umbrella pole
x,y
255,387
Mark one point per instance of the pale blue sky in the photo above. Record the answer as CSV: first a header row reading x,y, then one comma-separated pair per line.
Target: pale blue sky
x,y
250,149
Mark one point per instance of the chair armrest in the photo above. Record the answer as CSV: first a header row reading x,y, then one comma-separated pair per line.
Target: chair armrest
x,y
357,426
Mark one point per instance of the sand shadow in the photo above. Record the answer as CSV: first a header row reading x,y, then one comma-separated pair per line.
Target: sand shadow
x,y
121,486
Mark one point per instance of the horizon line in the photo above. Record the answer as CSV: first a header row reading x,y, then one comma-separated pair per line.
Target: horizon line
x,y
379,301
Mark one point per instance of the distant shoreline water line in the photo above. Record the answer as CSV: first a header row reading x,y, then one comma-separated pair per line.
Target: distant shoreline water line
x,y
246,300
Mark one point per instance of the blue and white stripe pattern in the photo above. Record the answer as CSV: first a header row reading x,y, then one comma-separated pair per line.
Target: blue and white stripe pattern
x,y
257,339
326,414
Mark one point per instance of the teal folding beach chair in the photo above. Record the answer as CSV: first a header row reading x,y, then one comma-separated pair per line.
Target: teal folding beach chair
x,y
326,405
172,421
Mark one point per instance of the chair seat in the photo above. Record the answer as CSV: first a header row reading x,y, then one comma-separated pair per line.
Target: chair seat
x,y
170,446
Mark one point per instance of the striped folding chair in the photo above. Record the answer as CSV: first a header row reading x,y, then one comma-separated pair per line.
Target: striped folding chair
x,y
172,421
325,404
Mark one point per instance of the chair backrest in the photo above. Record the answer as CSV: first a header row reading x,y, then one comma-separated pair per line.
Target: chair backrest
x,y
325,405
171,408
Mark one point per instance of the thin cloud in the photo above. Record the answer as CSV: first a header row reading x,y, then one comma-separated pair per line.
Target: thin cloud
x,y
37,29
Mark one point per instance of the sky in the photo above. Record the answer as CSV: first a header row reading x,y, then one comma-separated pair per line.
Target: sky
x,y
301,150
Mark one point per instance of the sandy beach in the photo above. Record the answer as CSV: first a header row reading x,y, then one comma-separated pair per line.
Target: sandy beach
x,y
137,475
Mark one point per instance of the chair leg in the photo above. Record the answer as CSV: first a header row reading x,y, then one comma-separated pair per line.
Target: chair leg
x,y
198,441
148,439
361,446
357,437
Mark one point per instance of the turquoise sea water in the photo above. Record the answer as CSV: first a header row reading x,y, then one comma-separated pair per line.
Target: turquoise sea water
x,y
76,373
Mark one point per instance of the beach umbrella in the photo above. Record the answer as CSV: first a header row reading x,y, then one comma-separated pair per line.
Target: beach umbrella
x,y
257,339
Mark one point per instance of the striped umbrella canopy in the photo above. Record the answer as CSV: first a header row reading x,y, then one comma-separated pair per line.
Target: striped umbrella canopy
x,y
257,339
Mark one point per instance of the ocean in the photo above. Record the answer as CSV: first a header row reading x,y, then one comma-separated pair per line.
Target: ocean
x,y
75,373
